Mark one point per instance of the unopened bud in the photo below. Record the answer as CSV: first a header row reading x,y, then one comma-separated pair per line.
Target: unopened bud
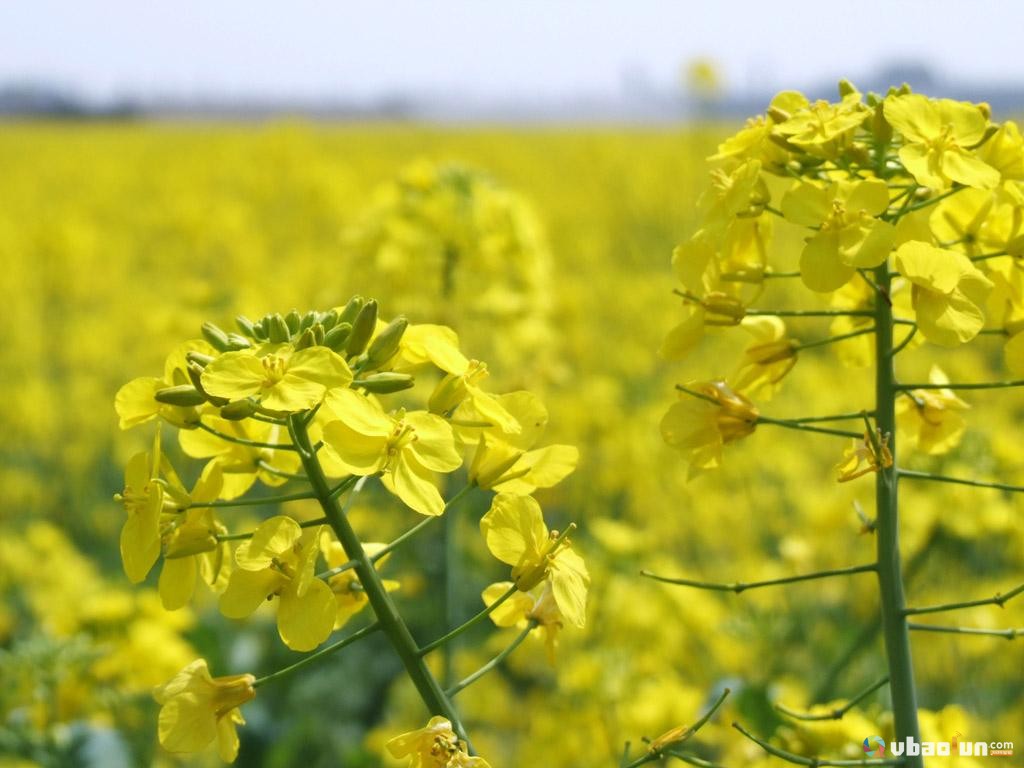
x,y
318,334
307,339
292,320
278,329
385,345
362,328
307,320
327,319
217,338
237,341
183,395
385,383
846,88
198,358
348,314
337,336
238,410
247,326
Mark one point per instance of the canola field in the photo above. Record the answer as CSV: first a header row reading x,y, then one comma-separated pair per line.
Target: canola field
x,y
549,252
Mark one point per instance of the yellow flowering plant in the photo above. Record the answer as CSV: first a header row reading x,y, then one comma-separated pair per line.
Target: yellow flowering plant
x,y
327,401
910,210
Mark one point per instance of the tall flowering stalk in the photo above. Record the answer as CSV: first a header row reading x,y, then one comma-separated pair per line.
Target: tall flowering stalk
x,y
324,402
912,211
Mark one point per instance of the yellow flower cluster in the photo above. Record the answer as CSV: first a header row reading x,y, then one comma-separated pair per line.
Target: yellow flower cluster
x,y
932,186
247,403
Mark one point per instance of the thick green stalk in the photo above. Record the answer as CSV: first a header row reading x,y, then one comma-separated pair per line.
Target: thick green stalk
x,y
390,621
890,578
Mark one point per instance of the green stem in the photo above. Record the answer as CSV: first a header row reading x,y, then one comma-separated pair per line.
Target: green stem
x,y
838,712
315,657
245,441
249,535
920,206
911,474
999,599
391,622
831,417
472,622
804,427
1009,634
832,339
301,496
741,586
809,313
890,577
451,692
401,539
267,467
450,546
962,385
814,762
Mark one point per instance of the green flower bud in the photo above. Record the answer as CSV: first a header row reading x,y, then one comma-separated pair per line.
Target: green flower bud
x,y
385,383
236,341
293,319
217,338
238,410
183,394
198,358
846,88
307,339
384,347
246,326
278,329
327,319
337,336
348,314
318,334
307,320
362,328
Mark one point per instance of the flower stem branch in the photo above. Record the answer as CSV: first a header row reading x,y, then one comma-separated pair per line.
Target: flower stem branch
x,y
813,762
470,623
1009,634
805,427
809,313
998,599
742,586
255,502
963,385
245,441
915,475
267,467
832,339
838,712
387,549
467,681
315,657
249,535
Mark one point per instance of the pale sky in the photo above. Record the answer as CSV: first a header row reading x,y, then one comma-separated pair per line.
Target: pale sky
x,y
489,48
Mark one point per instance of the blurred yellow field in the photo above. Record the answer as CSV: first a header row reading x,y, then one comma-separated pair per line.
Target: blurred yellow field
x,y
549,252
